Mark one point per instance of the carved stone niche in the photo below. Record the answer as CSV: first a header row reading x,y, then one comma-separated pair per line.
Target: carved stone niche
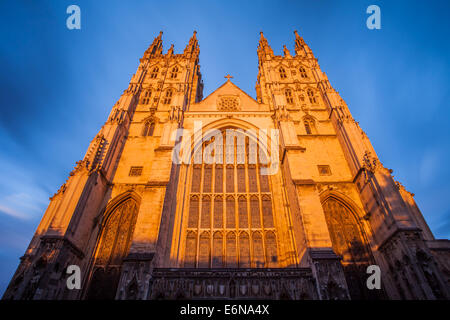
x,y
135,277
330,275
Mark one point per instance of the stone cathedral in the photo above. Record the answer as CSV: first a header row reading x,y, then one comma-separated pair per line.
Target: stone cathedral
x,y
295,204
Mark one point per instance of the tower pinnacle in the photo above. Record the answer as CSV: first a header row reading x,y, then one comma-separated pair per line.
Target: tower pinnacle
x,y
301,48
286,51
264,48
192,47
155,48
170,51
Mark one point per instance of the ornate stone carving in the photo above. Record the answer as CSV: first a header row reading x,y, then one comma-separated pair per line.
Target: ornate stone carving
x,y
176,114
281,113
228,103
370,163
291,283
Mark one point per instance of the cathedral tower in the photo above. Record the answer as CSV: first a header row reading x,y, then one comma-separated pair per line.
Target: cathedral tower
x,y
282,197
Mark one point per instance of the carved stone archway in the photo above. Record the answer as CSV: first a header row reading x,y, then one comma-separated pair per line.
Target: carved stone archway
x,y
112,247
350,243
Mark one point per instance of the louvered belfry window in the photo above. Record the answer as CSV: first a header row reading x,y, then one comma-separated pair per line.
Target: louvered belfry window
x,y
230,219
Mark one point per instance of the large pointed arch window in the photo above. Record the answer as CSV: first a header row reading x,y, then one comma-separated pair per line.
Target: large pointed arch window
x,y
112,248
230,219
350,244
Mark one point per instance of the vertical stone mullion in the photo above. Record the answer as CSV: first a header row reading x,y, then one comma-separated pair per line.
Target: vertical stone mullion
x,y
261,222
224,203
247,196
200,207
212,208
236,201
233,211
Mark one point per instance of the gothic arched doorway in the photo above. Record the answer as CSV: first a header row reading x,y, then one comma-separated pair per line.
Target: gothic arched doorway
x,y
113,246
350,244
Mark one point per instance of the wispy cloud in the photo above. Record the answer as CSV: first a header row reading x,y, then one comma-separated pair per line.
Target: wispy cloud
x,y
14,213
20,196
429,166
23,205
442,230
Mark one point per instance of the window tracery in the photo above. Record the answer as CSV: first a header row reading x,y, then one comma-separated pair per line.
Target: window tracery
x,y
348,242
149,128
174,73
228,103
282,73
289,96
311,96
230,214
168,96
113,246
154,73
303,73
310,126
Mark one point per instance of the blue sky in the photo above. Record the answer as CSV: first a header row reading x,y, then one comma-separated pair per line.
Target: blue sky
x,y
57,86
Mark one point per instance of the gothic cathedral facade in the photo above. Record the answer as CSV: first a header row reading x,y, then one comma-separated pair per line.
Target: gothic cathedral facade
x,y
295,203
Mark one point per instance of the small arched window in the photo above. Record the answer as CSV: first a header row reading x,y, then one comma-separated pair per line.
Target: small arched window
x,y
174,73
311,96
148,129
289,96
282,73
168,97
303,72
310,126
146,97
154,73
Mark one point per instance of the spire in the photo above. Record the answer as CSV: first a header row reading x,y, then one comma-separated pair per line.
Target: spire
x,y
192,47
155,48
263,48
261,36
286,51
301,48
298,40
170,51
